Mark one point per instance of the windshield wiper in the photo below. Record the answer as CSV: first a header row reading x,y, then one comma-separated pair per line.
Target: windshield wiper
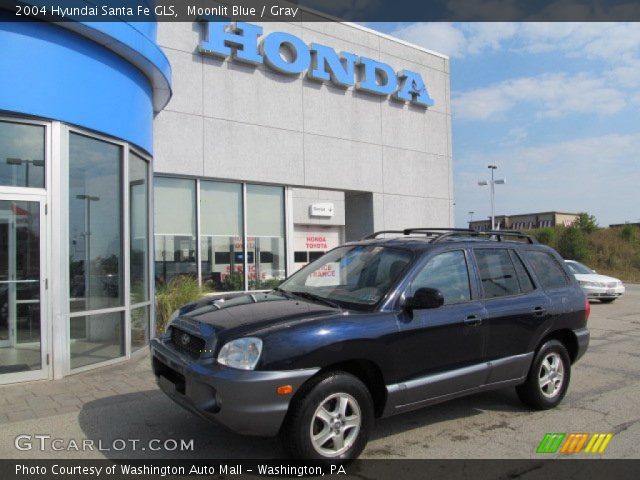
x,y
317,298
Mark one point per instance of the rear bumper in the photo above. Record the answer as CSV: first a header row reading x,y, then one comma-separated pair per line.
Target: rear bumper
x,y
582,337
243,401
604,292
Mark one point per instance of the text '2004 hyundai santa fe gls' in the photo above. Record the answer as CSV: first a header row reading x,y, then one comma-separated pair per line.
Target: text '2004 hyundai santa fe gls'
x,y
392,323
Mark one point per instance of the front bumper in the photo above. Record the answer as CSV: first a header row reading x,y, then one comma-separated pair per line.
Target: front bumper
x,y
603,292
582,337
244,401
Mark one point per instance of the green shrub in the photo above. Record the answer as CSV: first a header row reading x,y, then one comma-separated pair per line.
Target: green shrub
x,y
629,233
572,244
174,294
546,235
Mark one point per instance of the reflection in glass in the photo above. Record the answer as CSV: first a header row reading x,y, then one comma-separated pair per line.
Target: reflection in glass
x,y
221,238
139,327
265,240
96,338
175,228
21,155
138,230
95,224
19,286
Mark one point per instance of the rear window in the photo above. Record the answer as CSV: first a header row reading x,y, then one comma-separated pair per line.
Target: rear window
x,y
497,273
548,270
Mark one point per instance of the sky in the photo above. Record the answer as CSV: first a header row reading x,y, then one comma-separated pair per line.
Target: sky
x,y
556,106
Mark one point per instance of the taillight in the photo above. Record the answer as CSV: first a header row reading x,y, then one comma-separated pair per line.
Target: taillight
x,y
587,309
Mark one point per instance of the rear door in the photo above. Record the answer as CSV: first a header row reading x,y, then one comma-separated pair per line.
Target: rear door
x,y
516,308
441,349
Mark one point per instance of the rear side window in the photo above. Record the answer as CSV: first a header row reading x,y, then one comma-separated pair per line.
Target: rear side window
x,y
524,279
549,272
497,273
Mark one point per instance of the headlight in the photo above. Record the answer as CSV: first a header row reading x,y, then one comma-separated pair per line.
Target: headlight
x,y
584,283
242,353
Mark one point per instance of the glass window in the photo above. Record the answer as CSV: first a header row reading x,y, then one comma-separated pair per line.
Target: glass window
x,y
139,327
221,236
95,224
175,228
497,273
96,338
138,229
265,236
547,269
22,155
579,268
524,279
448,273
357,276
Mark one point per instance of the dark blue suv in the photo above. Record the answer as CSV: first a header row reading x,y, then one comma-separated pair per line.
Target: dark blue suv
x,y
392,323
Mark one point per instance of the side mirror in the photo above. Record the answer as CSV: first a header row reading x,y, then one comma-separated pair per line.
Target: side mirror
x,y
425,298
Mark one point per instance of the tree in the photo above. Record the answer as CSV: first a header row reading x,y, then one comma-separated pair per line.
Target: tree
x,y
547,236
629,233
572,244
587,223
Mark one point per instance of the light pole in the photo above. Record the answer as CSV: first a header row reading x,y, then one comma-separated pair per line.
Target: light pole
x,y
27,162
87,243
471,216
493,182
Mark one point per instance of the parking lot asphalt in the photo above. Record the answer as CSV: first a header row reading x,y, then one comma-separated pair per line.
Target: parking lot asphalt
x,y
113,405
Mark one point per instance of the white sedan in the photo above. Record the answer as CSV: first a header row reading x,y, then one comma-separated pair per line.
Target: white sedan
x,y
600,287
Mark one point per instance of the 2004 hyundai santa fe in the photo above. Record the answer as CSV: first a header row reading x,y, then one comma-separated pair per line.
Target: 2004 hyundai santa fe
x,y
392,323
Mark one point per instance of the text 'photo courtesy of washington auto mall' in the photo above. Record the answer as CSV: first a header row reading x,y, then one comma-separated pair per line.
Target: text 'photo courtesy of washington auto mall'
x,y
257,238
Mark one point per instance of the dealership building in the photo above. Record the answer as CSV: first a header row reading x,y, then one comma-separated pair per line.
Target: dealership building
x,y
134,153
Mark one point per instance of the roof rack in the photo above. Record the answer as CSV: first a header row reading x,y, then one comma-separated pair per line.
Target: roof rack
x,y
442,234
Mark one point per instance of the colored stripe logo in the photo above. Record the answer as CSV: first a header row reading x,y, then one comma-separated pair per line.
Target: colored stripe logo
x,y
573,443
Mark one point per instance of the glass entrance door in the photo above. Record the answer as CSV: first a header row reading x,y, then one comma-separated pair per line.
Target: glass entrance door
x,y
22,329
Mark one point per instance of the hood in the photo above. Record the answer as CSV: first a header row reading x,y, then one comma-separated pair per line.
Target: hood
x,y
245,314
595,277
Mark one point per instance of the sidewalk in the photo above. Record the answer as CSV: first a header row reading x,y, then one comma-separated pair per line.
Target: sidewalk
x,y
50,397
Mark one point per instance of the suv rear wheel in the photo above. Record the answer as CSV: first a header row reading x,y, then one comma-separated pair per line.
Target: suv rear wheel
x,y
331,418
548,378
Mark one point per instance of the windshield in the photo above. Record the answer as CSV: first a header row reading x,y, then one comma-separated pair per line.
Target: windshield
x,y
357,276
579,268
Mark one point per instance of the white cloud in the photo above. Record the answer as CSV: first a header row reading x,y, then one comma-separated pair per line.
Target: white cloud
x,y
441,37
552,95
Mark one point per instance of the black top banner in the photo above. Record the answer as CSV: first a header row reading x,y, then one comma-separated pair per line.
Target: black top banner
x,y
324,10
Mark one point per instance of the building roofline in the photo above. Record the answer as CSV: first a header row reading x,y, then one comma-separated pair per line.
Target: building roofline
x,y
372,31
526,215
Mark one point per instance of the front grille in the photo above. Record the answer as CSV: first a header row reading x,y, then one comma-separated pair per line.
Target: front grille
x,y
187,343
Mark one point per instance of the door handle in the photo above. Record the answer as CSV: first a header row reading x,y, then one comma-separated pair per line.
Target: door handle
x,y
539,311
473,320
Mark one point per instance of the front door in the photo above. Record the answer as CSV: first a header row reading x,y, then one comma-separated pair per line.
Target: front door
x,y
23,328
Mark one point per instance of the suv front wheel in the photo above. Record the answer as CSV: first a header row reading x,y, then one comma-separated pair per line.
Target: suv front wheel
x,y
330,418
548,378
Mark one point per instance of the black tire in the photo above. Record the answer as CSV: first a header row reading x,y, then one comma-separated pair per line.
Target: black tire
x,y
543,398
607,300
296,432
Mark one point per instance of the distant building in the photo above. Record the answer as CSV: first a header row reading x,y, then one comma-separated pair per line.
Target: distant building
x,y
525,221
620,225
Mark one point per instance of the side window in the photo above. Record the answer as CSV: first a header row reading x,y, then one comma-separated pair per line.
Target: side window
x,y
549,272
497,273
448,273
524,279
